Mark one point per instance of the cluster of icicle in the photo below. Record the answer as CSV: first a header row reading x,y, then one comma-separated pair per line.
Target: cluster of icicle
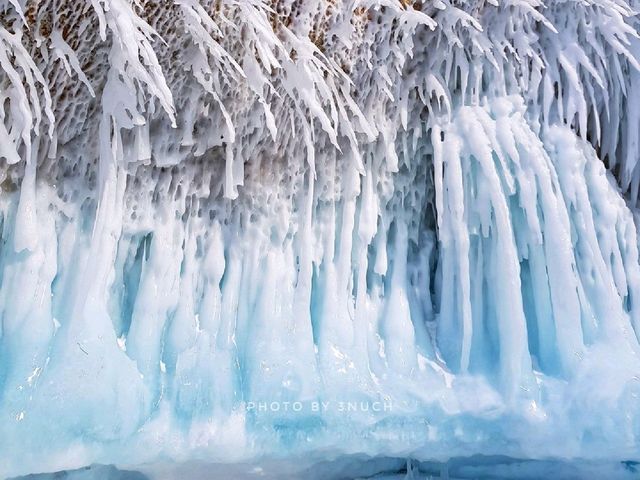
x,y
209,205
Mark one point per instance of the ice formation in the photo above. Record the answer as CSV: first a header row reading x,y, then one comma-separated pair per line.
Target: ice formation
x,y
236,231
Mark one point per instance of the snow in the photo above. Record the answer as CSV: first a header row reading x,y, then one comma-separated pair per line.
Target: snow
x,y
279,237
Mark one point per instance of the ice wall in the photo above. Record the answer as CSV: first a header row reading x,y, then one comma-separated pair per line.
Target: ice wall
x,y
233,231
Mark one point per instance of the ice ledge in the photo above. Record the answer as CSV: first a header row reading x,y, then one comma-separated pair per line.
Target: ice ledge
x,y
477,467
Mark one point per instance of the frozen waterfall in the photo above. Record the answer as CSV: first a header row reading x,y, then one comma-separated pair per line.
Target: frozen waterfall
x,y
294,235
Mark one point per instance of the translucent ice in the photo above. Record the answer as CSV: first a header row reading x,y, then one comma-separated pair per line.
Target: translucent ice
x,y
265,236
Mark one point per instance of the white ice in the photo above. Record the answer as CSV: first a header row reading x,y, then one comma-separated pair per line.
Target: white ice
x,y
240,232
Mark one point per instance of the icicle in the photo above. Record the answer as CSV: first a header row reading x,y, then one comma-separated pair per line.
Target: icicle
x,y
317,203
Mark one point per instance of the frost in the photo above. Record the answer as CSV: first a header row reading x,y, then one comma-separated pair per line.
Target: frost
x,y
213,213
